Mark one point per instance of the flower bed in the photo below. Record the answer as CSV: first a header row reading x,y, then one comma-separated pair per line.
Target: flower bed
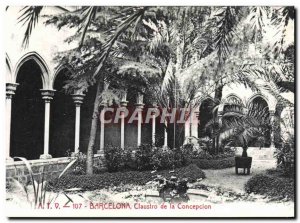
x,y
146,157
272,185
219,163
104,180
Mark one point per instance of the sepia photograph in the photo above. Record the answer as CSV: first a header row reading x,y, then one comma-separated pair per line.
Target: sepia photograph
x,y
149,111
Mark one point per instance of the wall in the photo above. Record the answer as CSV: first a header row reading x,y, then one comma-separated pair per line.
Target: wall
x,y
51,168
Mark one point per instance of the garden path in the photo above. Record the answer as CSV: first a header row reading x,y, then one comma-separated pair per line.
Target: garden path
x,y
227,179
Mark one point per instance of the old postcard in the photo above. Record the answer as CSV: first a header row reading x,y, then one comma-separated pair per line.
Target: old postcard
x,y
150,111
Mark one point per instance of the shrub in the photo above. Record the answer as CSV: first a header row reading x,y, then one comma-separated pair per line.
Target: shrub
x,y
163,158
154,158
202,154
143,157
214,163
104,180
206,144
271,185
285,156
79,167
117,158
185,154
191,172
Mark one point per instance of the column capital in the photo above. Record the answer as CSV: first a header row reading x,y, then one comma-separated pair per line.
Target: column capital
x,y
47,95
155,108
10,89
124,95
140,98
139,106
220,113
103,104
197,114
123,103
271,112
78,98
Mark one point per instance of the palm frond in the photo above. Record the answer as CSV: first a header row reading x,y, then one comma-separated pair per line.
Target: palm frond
x,y
30,18
89,14
227,20
120,29
257,16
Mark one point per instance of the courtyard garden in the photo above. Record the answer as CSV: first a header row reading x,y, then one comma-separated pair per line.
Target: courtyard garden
x,y
234,148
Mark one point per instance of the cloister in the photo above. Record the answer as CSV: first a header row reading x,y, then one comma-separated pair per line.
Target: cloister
x,y
43,122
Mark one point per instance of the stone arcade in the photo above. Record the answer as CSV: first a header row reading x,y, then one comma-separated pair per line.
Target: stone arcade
x,y
43,123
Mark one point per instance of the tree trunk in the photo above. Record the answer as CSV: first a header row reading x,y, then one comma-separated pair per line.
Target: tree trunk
x,y
245,147
217,99
93,132
244,154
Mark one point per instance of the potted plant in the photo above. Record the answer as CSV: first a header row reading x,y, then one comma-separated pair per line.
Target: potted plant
x,y
243,161
243,125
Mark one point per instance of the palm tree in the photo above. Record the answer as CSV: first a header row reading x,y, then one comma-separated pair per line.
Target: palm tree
x,y
88,16
183,32
244,124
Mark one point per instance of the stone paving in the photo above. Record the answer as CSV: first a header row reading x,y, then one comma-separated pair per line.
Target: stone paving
x,y
226,178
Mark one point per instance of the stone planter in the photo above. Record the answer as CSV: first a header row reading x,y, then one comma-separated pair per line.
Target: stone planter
x,y
243,162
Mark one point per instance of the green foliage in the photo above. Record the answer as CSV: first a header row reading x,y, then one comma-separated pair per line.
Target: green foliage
x,y
227,18
206,144
165,31
211,163
184,154
105,180
79,167
285,155
39,185
147,157
154,47
30,17
172,189
212,156
154,158
118,159
244,124
143,157
271,185
162,158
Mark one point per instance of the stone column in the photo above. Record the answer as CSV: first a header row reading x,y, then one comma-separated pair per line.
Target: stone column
x,y
166,134
186,130
190,120
139,106
78,100
272,122
47,96
123,105
195,124
220,116
219,119
103,106
154,123
10,91
187,126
